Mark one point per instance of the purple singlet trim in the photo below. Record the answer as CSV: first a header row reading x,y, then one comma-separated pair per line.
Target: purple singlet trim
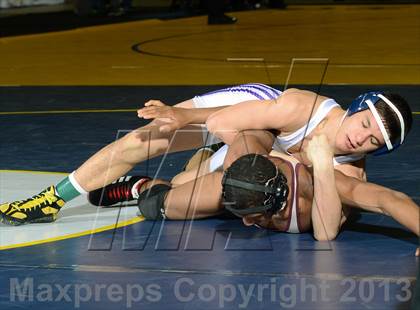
x,y
259,91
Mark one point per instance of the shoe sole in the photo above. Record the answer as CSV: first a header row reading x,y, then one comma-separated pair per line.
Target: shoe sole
x,y
13,222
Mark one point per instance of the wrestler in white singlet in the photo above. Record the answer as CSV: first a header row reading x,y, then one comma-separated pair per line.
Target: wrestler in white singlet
x,y
240,93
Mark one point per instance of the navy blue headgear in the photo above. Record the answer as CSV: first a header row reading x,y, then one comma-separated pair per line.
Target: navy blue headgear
x,y
368,101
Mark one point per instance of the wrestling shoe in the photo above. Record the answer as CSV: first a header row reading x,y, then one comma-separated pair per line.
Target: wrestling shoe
x,y
41,208
117,192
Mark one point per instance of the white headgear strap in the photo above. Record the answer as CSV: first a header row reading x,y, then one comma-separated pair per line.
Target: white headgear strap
x,y
394,108
380,124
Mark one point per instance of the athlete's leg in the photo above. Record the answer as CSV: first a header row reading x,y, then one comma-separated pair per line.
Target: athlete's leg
x,y
127,188
198,198
119,157
207,159
198,158
108,164
193,173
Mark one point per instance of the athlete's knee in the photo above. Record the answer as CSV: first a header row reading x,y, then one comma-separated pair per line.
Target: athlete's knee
x,y
147,138
151,202
183,177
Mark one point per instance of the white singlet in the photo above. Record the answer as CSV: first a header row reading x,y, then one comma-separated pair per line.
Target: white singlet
x,y
240,93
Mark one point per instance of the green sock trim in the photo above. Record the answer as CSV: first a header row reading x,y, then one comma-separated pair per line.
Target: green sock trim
x,y
66,190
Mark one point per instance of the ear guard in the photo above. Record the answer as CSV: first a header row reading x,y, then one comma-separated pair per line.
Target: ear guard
x,y
368,101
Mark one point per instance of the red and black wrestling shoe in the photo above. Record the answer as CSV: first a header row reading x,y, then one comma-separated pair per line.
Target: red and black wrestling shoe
x,y
118,192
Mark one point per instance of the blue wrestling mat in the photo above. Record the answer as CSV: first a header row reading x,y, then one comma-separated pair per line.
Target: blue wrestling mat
x,y
110,259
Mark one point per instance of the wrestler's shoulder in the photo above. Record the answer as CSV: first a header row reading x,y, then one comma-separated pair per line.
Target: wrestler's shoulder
x,y
300,99
303,94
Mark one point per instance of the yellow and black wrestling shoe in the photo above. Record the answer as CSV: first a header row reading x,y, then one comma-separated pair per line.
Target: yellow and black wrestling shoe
x,y
41,208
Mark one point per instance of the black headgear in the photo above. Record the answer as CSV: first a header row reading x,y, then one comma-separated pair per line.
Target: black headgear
x,y
276,191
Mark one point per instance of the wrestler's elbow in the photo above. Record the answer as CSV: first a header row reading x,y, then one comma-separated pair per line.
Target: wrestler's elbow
x,y
214,123
325,235
219,128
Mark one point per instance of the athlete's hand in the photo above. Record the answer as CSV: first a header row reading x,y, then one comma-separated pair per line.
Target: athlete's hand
x,y
319,151
418,252
174,117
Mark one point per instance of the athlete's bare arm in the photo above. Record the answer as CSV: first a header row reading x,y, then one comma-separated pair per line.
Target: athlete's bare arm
x,y
379,199
326,209
288,112
175,117
355,169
